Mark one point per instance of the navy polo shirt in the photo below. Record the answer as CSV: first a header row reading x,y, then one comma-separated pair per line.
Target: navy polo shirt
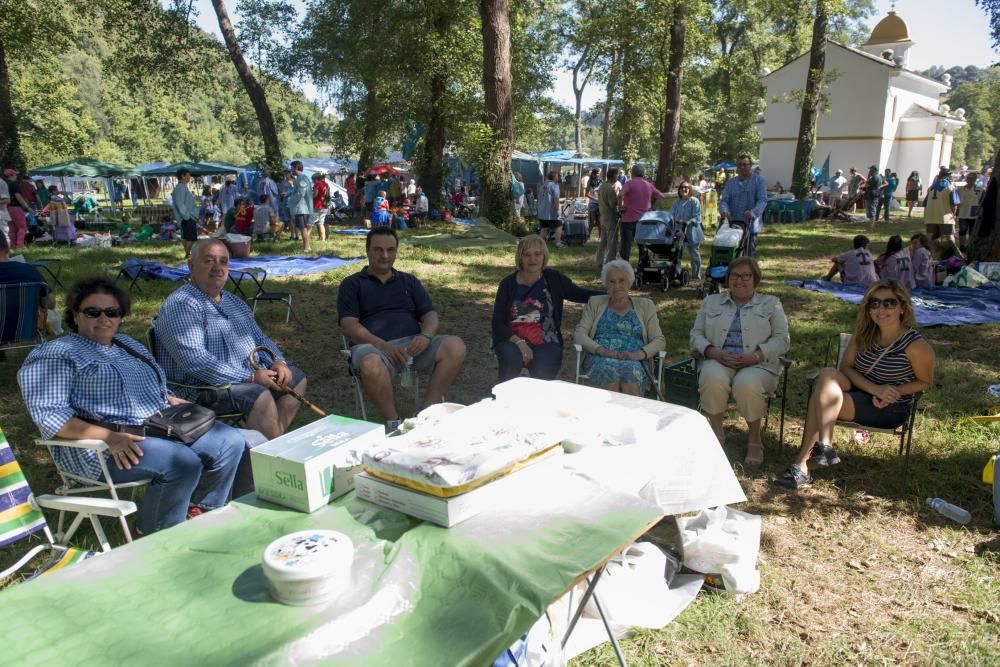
x,y
389,310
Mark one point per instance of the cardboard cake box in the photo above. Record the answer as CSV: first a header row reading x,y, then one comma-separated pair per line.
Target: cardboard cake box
x,y
307,468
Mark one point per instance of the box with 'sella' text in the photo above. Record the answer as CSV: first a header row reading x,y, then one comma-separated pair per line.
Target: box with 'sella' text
x,y
307,468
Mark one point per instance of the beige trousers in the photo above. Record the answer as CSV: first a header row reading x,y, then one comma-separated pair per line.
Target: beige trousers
x,y
749,386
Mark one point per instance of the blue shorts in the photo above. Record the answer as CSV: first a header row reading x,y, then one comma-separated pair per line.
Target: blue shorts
x,y
241,397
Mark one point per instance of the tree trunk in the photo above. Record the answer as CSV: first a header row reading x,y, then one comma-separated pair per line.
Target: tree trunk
x,y
806,145
609,94
268,132
984,240
10,143
627,120
432,168
369,133
578,88
672,118
497,204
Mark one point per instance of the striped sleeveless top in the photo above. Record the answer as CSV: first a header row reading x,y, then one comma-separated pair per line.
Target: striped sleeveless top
x,y
893,367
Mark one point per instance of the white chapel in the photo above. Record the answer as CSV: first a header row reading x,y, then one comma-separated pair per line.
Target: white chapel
x,y
878,112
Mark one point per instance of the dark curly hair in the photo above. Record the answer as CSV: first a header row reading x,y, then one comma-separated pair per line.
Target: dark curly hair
x,y
84,287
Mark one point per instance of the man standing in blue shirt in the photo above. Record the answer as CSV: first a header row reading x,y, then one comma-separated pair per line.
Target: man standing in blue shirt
x,y
391,323
185,210
889,184
744,199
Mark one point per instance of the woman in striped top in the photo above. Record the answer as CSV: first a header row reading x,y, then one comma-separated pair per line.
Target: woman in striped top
x,y
884,365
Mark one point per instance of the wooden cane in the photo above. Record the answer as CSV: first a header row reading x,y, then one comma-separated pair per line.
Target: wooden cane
x,y
288,390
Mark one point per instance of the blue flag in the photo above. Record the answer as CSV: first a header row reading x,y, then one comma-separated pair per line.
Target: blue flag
x,y
824,174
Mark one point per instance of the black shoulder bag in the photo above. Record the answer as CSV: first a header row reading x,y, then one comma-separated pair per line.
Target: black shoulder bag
x,y
185,422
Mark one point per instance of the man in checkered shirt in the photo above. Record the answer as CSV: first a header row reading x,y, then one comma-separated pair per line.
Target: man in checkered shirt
x,y
203,337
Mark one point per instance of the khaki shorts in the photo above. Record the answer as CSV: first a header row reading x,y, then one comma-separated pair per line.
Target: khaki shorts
x,y
935,230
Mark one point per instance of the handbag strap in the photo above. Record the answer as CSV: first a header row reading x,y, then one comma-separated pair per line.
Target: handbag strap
x,y
885,350
143,358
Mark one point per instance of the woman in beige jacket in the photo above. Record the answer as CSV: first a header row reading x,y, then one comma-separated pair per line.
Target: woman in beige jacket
x,y
741,334
619,332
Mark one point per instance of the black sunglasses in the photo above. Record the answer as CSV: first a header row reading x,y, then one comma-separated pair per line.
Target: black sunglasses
x,y
93,313
888,304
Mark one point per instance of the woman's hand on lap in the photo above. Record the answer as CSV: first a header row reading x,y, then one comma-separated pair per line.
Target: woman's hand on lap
x,y
124,449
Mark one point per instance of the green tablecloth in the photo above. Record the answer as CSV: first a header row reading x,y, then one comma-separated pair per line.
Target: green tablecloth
x,y
423,595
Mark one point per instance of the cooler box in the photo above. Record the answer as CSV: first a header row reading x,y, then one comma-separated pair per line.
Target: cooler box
x,y
307,468
576,231
238,244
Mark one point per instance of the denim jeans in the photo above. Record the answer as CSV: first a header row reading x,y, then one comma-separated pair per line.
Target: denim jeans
x,y
871,207
545,362
200,474
883,203
628,235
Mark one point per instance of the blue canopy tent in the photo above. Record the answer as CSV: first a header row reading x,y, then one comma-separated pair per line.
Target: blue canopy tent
x,y
580,160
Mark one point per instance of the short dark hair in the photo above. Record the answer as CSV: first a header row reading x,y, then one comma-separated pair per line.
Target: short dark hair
x,y
612,173
84,287
296,165
263,199
382,230
743,156
4,245
182,171
861,241
638,171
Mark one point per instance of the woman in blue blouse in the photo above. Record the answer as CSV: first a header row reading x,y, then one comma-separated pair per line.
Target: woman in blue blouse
x,y
98,384
688,209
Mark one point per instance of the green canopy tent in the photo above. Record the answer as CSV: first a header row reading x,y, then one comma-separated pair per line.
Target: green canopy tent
x,y
84,166
196,169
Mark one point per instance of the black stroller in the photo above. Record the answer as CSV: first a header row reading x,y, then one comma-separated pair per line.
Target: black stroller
x,y
661,248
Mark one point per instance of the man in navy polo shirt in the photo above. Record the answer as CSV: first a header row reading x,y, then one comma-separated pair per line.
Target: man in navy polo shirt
x,y
391,323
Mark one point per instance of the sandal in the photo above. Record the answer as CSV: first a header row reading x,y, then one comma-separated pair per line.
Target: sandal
x,y
755,454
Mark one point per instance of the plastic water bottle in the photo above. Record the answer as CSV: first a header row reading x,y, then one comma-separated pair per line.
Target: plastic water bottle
x,y
953,512
406,378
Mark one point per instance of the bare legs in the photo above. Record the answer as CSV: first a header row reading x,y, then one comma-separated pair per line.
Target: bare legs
x,y
829,402
630,388
273,417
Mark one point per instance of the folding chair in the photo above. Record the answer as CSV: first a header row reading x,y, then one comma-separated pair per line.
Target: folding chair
x,y
359,394
19,308
657,375
780,392
233,418
21,516
904,431
237,276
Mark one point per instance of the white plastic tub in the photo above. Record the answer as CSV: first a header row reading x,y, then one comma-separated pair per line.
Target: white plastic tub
x,y
309,567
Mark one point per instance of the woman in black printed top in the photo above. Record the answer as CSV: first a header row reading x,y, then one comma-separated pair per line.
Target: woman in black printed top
x,y
885,364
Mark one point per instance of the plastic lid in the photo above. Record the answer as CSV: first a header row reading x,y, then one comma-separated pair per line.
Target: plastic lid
x,y
308,554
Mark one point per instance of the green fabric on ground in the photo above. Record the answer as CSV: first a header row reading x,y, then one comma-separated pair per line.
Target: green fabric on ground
x,y
481,235
195,594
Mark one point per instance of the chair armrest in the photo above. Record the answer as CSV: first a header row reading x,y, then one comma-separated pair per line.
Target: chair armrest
x,y
93,445
83,504
218,387
786,363
811,377
578,347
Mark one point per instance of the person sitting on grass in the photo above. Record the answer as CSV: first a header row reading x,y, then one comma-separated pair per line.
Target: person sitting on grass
x,y
620,332
264,218
244,216
856,267
895,263
884,365
390,321
922,262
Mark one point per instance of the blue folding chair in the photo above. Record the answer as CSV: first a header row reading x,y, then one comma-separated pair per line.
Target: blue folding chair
x,y
19,304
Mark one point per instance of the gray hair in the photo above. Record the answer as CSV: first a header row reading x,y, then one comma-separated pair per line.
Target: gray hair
x,y
617,265
200,246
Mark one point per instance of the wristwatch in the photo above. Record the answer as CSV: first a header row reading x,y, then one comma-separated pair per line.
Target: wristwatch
x,y
429,338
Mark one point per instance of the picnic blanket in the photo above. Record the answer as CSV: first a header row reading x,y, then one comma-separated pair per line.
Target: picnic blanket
x,y
934,306
353,231
274,265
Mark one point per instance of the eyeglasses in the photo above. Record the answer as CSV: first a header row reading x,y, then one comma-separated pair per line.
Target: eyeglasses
x,y
741,276
887,304
94,313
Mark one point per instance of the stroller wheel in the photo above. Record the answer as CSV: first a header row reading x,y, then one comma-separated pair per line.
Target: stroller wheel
x,y
638,280
685,278
664,281
714,288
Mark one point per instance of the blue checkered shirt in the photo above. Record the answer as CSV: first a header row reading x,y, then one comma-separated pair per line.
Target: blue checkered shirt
x,y
200,342
739,196
74,376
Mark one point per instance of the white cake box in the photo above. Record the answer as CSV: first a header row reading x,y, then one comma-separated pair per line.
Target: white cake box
x,y
307,468
309,567
448,512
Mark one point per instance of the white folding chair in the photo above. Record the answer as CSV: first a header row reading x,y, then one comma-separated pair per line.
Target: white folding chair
x,y
74,484
359,394
21,516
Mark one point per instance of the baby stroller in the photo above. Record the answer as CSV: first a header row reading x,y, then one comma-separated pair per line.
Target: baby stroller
x,y
731,241
661,247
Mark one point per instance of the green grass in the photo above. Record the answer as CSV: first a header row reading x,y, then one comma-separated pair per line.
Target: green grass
x,y
854,569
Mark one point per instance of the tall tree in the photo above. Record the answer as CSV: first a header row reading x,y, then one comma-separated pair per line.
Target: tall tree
x,y
805,146
258,98
10,141
494,166
672,118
